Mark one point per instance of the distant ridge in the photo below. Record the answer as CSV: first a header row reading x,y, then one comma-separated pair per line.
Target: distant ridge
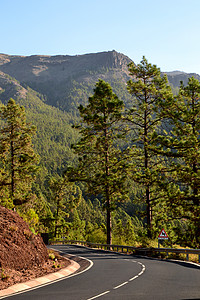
x,y
175,73
63,79
59,67
66,81
175,77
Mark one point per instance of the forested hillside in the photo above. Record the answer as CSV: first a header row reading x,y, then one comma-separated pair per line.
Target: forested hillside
x,y
54,131
51,88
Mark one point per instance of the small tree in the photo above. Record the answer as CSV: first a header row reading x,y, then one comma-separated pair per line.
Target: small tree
x,y
18,160
101,164
64,197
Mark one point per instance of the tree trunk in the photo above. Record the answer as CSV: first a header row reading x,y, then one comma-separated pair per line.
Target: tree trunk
x,y
149,215
108,200
109,223
56,221
146,165
12,172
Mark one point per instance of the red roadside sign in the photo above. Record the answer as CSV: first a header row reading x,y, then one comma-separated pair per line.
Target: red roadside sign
x,y
163,235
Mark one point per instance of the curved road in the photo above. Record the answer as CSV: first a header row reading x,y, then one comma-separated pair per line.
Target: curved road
x,y
121,277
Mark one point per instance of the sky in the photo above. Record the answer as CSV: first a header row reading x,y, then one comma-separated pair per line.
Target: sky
x,y
166,32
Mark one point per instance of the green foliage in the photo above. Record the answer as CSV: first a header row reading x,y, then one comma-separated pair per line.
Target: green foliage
x,y
18,160
64,197
32,218
127,230
5,201
4,275
55,131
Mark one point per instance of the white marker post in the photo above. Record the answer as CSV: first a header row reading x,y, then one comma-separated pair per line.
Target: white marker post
x,y
162,236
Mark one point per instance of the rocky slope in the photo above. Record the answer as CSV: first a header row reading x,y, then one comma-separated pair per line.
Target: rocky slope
x,y
23,254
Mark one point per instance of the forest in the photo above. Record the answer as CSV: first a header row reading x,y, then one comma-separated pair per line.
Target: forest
x,y
114,171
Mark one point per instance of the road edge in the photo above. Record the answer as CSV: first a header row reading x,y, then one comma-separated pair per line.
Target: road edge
x,y
35,283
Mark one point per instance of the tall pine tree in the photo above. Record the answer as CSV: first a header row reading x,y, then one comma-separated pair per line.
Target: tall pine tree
x,y
101,164
182,145
150,91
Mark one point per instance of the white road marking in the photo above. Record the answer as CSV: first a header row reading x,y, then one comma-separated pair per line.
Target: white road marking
x,y
97,296
124,283
117,287
133,278
140,273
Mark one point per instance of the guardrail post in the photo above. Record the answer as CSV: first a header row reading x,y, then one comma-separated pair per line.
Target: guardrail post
x,y
187,256
199,258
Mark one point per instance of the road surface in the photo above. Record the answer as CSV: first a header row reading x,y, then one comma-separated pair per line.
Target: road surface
x,y
121,277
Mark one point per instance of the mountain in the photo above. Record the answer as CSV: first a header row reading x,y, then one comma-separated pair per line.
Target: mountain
x,y
66,81
52,87
38,68
176,76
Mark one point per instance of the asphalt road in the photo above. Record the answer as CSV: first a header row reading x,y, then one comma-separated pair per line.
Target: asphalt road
x,y
121,277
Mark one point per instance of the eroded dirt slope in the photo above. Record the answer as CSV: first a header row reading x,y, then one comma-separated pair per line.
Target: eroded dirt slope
x,y
23,255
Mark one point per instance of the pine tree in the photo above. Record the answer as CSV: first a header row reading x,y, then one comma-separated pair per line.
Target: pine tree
x,y
18,160
101,164
187,136
150,91
182,145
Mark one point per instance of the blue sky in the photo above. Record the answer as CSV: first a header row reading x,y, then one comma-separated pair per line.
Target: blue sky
x,y
166,32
